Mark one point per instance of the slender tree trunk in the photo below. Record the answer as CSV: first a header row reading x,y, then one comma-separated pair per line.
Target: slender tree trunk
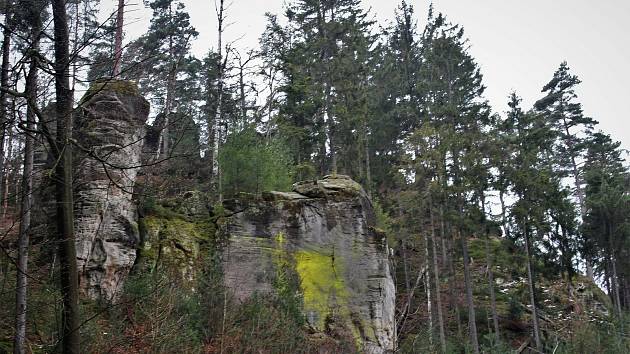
x,y
493,302
216,123
615,276
120,17
271,98
4,83
427,282
405,267
368,172
578,191
243,103
63,183
27,200
331,129
472,319
7,173
438,295
443,236
506,228
75,44
451,276
164,135
530,284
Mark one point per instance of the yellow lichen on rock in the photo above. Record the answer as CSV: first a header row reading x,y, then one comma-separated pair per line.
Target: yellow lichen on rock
x,y
323,287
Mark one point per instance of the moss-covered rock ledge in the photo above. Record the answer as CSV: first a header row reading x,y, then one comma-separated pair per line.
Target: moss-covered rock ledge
x,y
322,232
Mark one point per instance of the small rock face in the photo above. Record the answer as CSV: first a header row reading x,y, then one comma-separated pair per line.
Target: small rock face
x,y
324,231
111,124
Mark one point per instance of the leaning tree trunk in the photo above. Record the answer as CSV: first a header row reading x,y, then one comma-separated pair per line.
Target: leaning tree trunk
x,y
27,198
63,183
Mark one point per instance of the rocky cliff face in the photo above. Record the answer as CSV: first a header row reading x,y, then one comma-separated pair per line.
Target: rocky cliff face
x,y
324,231
110,124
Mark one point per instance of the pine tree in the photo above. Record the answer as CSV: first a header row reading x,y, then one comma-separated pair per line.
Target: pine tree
x,y
162,52
329,64
606,222
572,126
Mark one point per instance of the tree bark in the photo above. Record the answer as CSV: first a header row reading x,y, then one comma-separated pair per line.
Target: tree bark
x,y
493,302
472,320
7,173
4,83
27,198
427,282
63,183
532,296
615,276
216,122
506,228
438,295
120,16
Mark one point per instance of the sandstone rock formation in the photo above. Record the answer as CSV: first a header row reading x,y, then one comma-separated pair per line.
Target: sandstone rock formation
x,y
177,234
110,123
325,231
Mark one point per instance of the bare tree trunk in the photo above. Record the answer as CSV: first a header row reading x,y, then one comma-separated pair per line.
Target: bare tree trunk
x,y
120,16
368,172
443,237
164,136
451,288
27,198
7,173
241,82
493,302
530,283
331,129
472,319
504,223
216,123
615,276
405,267
427,282
271,98
75,44
63,183
4,83
438,295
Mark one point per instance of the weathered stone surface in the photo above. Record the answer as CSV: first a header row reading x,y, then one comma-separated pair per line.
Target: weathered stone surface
x,y
174,243
324,229
110,124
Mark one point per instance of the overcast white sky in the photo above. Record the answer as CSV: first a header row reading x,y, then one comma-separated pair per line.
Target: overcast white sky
x,y
517,43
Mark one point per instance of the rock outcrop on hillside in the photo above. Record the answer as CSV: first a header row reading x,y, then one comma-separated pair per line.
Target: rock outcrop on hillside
x,y
110,123
109,130
324,232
